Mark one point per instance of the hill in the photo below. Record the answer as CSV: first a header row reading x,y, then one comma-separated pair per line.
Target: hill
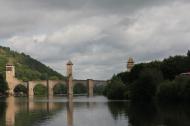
x,y
26,67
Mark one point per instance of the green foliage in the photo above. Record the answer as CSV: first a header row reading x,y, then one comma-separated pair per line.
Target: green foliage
x,y
188,53
144,88
3,85
176,90
124,77
168,90
79,89
27,68
134,74
115,89
174,66
60,89
40,90
53,78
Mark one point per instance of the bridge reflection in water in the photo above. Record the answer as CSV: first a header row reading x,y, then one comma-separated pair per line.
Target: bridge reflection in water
x,y
31,104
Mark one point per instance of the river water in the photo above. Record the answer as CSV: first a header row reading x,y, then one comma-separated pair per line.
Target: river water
x,y
85,111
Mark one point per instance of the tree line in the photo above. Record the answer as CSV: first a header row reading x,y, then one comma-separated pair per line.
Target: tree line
x,y
154,80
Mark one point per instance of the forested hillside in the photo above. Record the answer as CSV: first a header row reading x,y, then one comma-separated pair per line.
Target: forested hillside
x,y
26,67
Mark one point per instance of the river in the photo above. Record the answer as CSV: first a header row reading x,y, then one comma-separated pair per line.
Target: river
x,y
89,111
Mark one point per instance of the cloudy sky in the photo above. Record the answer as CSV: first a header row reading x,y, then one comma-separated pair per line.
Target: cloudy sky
x,y
97,35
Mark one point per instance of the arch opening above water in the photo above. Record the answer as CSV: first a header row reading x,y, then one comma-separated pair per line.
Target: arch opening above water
x,y
60,89
40,90
20,90
80,88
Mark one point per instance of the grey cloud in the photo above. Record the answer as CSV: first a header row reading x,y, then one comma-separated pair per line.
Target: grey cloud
x,y
27,15
78,4
98,36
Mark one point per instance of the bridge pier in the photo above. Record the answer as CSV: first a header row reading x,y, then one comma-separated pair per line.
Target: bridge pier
x,y
90,85
70,111
50,88
30,89
70,86
10,111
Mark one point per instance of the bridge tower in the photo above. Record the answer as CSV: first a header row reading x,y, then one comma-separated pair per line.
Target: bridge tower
x,y
70,78
10,77
130,64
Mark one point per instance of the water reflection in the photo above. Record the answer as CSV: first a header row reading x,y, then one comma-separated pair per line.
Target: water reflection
x,y
118,109
83,111
10,111
143,114
175,114
70,111
37,111
152,114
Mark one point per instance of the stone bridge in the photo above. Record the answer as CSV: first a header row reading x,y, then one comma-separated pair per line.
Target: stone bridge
x,y
13,82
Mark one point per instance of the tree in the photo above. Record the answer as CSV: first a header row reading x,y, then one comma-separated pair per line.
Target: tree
x,y
176,90
188,53
168,91
134,74
173,66
124,77
3,85
144,89
115,89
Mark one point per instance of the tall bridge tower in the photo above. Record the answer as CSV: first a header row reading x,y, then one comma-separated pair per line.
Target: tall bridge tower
x,y
10,78
70,78
130,64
